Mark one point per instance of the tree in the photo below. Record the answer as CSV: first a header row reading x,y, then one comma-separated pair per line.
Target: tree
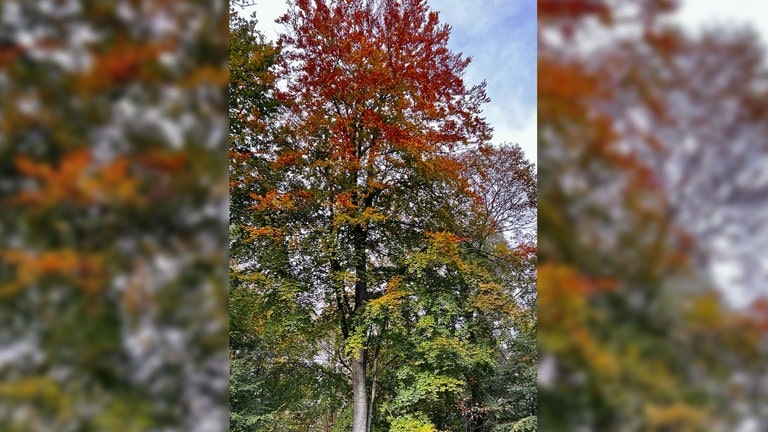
x,y
360,235
270,339
634,334
378,104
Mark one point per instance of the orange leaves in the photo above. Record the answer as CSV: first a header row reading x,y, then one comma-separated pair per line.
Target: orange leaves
x,y
566,83
385,71
207,75
87,271
568,279
170,162
666,40
527,250
447,166
444,238
268,231
273,200
344,200
758,312
71,165
287,159
122,63
10,54
566,317
79,180
562,296
572,9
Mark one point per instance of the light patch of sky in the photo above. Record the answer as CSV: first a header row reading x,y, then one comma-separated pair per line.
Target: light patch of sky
x,y
499,36
696,15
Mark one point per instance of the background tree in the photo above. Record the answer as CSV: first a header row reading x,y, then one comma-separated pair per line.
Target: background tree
x,y
630,126
111,242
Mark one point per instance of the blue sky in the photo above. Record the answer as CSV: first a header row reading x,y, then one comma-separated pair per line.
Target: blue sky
x,y
500,36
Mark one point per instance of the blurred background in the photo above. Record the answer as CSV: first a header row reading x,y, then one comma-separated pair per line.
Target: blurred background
x,y
113,215
653,184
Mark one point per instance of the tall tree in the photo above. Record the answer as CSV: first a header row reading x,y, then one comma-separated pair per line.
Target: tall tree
x,y
379,280
369,173
378,106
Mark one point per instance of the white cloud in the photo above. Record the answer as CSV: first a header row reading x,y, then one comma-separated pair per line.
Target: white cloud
x,y
697,13
267,11
524,133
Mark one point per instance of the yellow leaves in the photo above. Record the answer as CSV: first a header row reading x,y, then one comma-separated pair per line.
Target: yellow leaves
x,y
707,312
600,359
677,416
353,217
354,345
388,300
394,284
35,388
444,243
207,75
42,392
391,299
79,180
412,423
86,271
492,298
27,388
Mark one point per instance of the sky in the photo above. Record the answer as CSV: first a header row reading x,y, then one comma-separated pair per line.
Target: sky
x,y
696,15
499,36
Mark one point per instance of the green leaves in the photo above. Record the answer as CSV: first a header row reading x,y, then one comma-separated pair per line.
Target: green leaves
x,y
418,422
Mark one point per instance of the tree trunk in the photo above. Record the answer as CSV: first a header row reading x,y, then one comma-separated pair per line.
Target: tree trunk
x,y
359,396
374,373
359,391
